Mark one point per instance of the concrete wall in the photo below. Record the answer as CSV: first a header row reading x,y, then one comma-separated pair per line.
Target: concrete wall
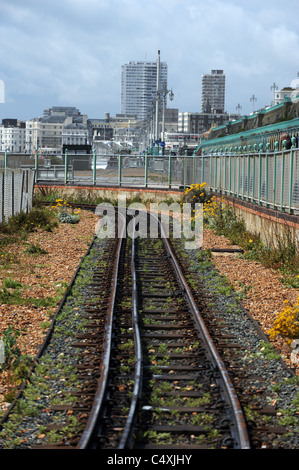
x,y
272,226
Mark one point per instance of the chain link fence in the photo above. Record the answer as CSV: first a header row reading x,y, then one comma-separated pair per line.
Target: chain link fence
x,y
16,192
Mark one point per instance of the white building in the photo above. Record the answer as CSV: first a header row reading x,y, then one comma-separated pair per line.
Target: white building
x,y
139,86
289,92
198,123
12,136
45,134
184,122
280,95
74,133
213,92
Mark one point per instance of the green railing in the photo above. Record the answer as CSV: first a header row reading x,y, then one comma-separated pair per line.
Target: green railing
x,y
141,171
263,177
256,174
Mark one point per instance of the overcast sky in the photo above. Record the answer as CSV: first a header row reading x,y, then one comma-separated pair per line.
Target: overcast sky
x,y
70,52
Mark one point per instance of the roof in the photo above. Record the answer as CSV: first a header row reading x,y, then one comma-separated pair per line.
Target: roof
x,y
75,125
54,119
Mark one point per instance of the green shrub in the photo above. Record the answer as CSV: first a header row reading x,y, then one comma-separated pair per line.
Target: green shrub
x,y
11,283
66,218
36,250
28,222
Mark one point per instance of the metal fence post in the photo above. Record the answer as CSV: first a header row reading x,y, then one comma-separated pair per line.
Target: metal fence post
x,y
12,193
230,171
282,175
224,182
169,170
145,169
260,175
220,171
36,166
239,172
119,168
21,191
235,171
267,171
94,167
185,169
65,166
27,191
3,177
210,176
5,161
254,172
248,174
275,173
243,172
291,180
215,173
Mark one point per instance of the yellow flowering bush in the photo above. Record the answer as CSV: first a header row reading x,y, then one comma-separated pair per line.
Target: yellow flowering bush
x,y
197,193
63,215
60,203
212,212
220,217
286,324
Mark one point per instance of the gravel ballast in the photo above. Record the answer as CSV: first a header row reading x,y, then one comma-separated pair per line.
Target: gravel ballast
x,y
276,381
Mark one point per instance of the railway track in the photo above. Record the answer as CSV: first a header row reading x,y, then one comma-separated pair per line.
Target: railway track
x,y
149,375
163,357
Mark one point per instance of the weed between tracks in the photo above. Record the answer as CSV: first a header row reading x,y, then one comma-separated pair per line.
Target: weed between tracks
x,y
164,401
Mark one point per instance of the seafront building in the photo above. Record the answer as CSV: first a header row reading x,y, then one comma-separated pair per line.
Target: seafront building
x,y
12,135
213,92
139,86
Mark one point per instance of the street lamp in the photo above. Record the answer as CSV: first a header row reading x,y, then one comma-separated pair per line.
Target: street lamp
x,y
157,97
171,96
253,99
152,122
238,108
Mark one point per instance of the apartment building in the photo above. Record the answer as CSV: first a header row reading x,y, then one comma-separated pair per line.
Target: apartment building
x,y
59,126
45,134
213,92
198,123
139,86
12,135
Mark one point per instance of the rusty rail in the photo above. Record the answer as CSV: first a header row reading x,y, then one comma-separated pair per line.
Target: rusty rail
x,y
99,400
242,435
128,431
